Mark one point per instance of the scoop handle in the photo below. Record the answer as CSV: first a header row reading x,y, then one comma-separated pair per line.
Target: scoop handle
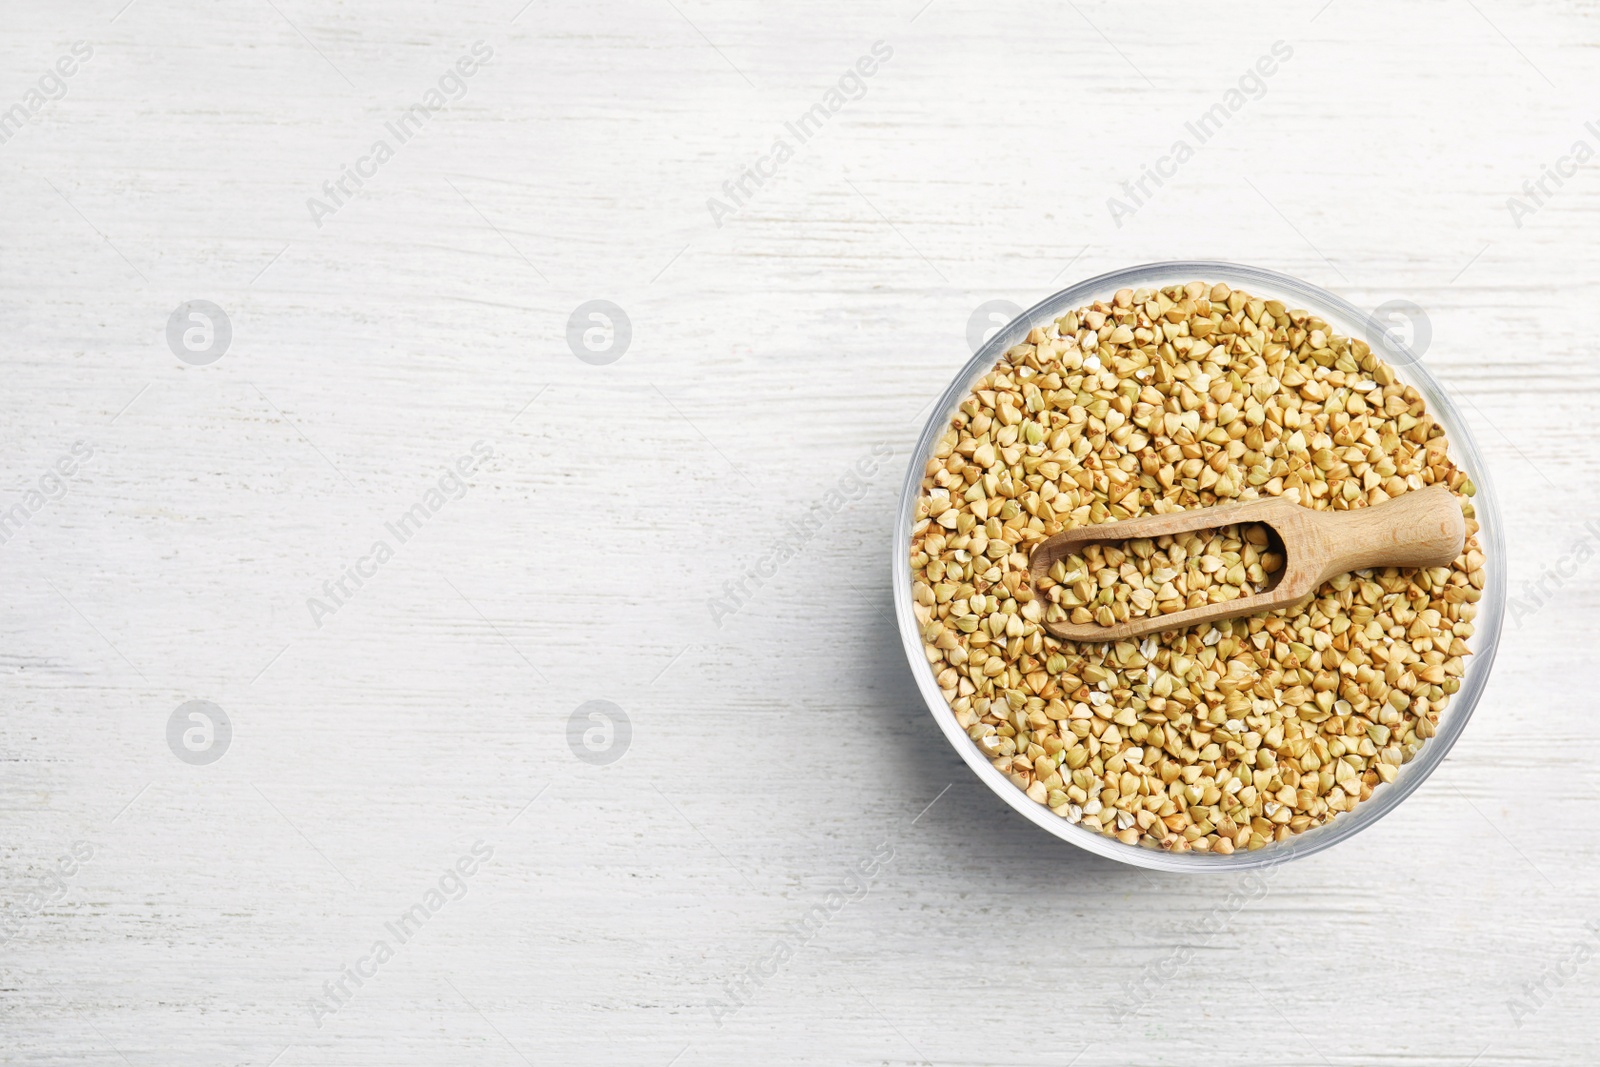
x,y
1422,528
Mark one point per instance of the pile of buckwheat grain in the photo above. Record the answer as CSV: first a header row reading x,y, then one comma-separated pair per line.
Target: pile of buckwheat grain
x,y
1222,736
1111,583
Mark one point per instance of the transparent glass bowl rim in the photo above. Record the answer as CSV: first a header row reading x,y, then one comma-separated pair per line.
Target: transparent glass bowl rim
x,y
1344,318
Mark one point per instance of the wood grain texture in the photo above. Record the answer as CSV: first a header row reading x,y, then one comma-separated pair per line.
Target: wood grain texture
x,y
778,747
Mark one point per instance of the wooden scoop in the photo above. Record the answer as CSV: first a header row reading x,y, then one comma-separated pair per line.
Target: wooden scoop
x,y
1424,528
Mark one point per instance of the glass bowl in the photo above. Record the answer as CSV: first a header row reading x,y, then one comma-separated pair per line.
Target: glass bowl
x,y
1344,318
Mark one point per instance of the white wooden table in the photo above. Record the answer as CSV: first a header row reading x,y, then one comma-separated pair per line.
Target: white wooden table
x,y
649,884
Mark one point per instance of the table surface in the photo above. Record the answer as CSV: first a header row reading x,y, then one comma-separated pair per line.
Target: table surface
x,y
758,848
